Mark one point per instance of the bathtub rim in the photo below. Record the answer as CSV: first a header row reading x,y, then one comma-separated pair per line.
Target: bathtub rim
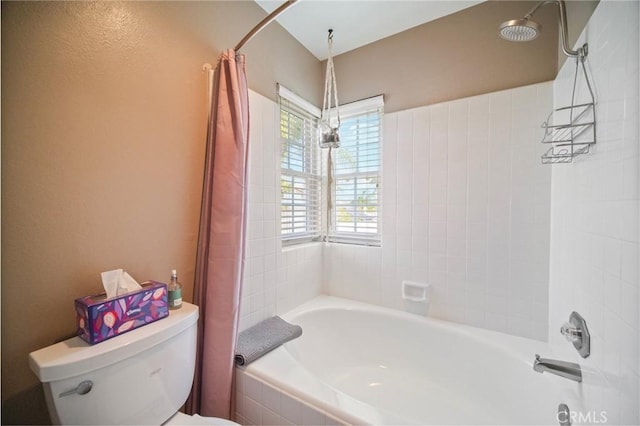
x,y
302,384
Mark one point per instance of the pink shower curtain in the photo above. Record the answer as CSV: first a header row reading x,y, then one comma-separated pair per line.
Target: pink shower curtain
x,y
221,242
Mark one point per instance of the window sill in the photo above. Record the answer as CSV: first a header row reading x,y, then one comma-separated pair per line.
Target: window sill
x,y
294,247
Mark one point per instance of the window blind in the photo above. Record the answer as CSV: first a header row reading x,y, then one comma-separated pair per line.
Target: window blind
x,y
356,214
300,181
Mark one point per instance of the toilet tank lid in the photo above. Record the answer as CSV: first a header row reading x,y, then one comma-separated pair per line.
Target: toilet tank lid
x,y
74,356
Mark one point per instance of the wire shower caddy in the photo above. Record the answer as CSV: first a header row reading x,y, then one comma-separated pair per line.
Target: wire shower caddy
x,y
576,129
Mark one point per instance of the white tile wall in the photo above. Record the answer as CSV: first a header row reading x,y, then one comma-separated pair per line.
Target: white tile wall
x,y
466,209
257,403
275,280
594,245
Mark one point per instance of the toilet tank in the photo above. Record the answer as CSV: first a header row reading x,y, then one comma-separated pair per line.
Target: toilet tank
x,y
142,377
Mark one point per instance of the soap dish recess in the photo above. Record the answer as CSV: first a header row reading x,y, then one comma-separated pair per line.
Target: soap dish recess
x,y
415,292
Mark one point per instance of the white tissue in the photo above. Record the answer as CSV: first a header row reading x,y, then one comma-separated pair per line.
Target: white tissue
x,y
110,282
127,284
118,282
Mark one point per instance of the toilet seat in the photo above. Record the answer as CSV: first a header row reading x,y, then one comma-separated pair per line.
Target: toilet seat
x,y
185,419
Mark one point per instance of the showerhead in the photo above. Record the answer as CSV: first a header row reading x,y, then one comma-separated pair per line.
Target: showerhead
x,y
525,29
520,30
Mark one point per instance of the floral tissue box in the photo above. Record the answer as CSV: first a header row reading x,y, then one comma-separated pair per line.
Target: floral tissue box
x,y
99,318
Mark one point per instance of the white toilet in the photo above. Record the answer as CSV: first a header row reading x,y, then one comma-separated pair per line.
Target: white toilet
x,y
141,377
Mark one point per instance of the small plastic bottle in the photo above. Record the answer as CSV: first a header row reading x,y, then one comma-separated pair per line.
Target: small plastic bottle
x,y
175,291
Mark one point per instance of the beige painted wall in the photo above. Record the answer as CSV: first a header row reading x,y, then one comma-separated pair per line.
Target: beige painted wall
x,y
103,132
456,56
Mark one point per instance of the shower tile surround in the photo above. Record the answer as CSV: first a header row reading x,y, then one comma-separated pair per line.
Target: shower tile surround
x,y
275,280
594,217
468,208
465,208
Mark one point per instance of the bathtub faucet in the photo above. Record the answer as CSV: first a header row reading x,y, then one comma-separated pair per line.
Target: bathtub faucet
x,y
564,369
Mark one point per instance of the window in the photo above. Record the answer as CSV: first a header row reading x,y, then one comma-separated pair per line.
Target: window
x,y
300,181
354,212
356,174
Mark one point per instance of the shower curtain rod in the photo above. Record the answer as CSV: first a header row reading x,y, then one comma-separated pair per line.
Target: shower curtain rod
x,y
266,21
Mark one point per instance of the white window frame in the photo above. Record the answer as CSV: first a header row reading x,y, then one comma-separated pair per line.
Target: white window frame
x,y
300,214
368,171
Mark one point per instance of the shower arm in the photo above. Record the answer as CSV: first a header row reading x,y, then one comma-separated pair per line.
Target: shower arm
x,y
582,51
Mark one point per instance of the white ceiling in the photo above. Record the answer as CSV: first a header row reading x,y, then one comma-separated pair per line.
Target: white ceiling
x,y
357,22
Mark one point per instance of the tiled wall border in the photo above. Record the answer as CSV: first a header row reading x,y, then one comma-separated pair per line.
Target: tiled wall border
x,y
258,403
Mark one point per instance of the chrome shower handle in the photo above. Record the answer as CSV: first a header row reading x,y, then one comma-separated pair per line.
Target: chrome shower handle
x,y
576,332
570,332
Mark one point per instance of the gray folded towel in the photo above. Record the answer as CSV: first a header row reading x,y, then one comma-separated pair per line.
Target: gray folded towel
x,y
264,337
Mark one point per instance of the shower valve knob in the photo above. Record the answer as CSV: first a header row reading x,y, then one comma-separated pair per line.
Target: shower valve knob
x,y
570,332
577,333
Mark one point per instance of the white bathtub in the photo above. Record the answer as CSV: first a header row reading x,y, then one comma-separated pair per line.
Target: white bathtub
x,y
360,364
